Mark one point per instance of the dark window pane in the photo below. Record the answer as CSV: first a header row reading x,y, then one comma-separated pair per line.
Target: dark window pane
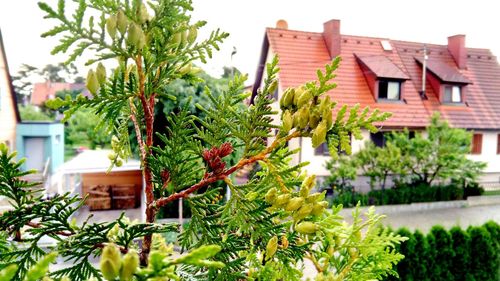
x,y
322,150
378,139
382,89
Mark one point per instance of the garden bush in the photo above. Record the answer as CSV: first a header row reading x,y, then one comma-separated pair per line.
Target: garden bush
x,y
419,261
404,194
441,245
484,254
461,258
455,255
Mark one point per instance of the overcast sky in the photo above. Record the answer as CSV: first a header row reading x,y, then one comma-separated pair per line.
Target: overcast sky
x,y
420,21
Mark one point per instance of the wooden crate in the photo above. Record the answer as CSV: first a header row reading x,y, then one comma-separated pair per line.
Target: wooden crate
x,y
123,202
99,198
99,203
124,196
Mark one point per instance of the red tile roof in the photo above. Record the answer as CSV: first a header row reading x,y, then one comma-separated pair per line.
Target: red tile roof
x,y
382,67
47,90
444,72
302,53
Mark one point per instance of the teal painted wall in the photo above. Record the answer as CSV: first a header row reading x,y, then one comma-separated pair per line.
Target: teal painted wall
x,y
53,134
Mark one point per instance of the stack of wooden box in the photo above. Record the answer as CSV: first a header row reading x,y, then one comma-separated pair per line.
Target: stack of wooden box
x,y
99,197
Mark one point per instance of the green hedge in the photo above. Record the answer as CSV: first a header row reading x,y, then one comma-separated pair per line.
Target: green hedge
x,y
407,194
454,255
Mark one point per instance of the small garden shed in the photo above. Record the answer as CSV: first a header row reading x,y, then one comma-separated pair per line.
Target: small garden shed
x,y
40,143
87,174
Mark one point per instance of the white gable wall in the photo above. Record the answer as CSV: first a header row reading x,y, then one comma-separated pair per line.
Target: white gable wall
x,y
7,112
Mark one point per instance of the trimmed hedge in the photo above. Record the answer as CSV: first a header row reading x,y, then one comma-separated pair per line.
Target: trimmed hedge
x,y
407,194
454,255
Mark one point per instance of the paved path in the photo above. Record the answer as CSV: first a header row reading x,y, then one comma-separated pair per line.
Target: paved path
x,y
449,217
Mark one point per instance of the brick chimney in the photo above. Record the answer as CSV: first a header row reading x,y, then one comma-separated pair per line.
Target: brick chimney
x,y
281,24
456,47
331,34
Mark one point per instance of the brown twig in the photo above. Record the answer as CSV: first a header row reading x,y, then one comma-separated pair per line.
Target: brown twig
x,y
123,250
148,108
68,234
38,225
211,178
138,133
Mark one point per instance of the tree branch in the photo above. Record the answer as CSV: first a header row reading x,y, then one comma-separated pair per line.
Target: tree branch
x,y
38,225
137,131
211,178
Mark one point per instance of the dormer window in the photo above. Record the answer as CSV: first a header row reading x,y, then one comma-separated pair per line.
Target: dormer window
x,y
446,81
389,90
452,94
384,78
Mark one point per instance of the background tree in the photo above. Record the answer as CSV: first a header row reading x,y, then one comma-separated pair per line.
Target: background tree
x,y
439,156
22,83
27,75
269,225
342,171
83,130
31,113
378,163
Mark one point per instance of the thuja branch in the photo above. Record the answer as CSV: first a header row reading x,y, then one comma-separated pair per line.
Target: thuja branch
x,y
38,225
137,128
213,177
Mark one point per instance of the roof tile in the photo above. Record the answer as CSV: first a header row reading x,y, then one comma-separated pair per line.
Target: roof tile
x,y
302,53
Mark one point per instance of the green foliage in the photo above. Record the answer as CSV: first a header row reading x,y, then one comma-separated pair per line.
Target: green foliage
x,y
378,163
52,218
484,254
441,244
370,255
83,129
342,172
32,113
420,261
461,258
451,255
404,194
439,156
414,164
405,248
269,225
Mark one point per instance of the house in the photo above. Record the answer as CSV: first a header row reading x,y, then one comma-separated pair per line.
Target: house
x,y
9,113
411,80
48,90
42,143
